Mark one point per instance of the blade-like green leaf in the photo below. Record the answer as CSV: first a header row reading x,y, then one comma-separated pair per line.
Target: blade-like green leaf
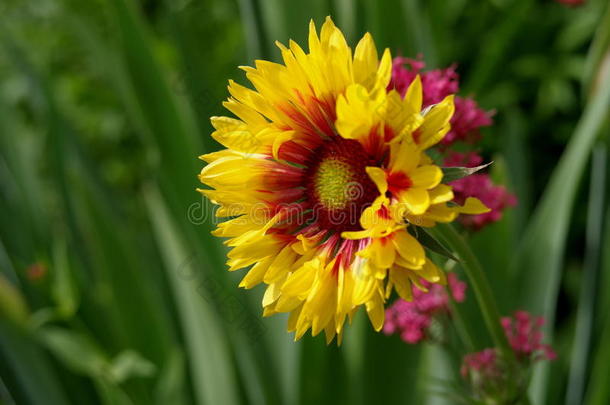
x,y
64,290
581,346
12,302
537,264
492,50
455,173
32,377
75,350
599,389
210,360
429,242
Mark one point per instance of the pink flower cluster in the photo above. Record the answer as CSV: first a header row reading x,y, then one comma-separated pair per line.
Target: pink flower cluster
x,y
411,319
478,185
438,84
484,363
525,336
465,124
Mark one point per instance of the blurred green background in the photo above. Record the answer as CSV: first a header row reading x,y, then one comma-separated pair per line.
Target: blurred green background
x,y
113,291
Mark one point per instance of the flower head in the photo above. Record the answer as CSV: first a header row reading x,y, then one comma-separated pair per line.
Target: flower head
x,y
484,364
525,337
323,174
490,377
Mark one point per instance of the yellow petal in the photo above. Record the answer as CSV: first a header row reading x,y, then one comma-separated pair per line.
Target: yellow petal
x,y
441,194
281,265
473,206
404,156
430,272
401,282
384,73
279,140
409,248
417,200
255,274
355,235
272,293
383,253
427,177
379,178
365,61
376,313
300,282
436,123
414,95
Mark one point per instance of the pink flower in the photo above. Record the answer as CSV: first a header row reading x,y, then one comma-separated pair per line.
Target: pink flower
x,y
411,319
483,362
525,336
438,84
478,185
490,377
465,124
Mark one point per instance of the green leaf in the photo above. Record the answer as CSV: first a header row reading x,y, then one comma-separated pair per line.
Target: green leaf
x,y
128,364
598,392
209,356
479,283
598,52
494,45
455,173
414,33
581,347
12,303
74,350
34,378
171,381
431,243
80,354
537,264
63,289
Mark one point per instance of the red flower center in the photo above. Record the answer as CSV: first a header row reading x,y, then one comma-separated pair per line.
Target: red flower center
x,y
338,187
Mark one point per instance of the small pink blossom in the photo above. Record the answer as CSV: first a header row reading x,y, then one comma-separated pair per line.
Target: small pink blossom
x,y
483,362
479,185
465,124
411,319
525,336
438,84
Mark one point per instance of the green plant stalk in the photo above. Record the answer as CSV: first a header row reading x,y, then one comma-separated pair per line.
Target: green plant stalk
x,y
592,268
479,284
460,325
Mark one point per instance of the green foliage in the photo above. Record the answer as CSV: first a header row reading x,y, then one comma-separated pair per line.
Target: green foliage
x,y
113,291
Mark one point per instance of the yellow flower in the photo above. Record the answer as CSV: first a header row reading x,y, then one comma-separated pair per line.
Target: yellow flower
x,y
323,173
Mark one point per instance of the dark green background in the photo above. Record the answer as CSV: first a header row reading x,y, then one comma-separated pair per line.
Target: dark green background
x,y
104,108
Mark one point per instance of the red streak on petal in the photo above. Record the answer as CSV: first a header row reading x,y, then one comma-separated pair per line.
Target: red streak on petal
x,y
383,212
374,144
317,114
388,133
416,135
398,181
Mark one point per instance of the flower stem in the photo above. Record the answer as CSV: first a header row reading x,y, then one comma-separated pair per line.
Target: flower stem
x,y
479,284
